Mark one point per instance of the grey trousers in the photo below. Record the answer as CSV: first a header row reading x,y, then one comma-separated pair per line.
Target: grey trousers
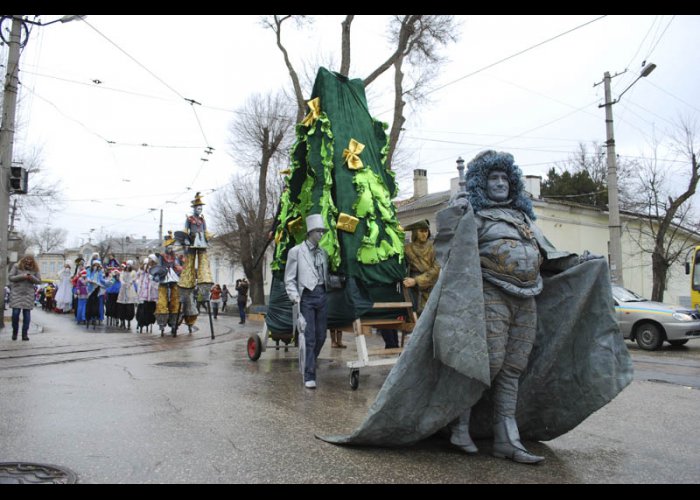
x,y
511,324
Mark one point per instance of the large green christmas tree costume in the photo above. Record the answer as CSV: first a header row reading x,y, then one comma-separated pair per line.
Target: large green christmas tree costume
x,y
338,170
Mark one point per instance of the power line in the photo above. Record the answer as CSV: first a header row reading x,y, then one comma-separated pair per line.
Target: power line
x,y
134,59
639,47
660,37
109,141
674,96
191,101
515,54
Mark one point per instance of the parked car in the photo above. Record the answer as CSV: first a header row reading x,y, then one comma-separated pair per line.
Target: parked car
x,y
652,323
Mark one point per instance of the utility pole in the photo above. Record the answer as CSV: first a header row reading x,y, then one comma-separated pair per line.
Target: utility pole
x,y
160,227
7,132
613,203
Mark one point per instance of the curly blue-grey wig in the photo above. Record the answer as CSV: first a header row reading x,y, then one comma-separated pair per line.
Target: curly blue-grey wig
x,y
477,175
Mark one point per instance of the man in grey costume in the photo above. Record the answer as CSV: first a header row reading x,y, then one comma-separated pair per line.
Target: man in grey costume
x,y
517,338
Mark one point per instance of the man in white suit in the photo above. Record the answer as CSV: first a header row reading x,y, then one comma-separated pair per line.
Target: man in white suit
x,y
305,280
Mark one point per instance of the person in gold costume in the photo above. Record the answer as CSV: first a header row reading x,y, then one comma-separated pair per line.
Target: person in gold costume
x,y
167,274
196,270
423,273
423,269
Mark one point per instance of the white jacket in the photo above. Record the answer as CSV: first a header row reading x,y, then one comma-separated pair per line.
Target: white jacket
x,y
300,271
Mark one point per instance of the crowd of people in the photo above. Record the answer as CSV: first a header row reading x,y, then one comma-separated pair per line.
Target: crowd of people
x,y
115,293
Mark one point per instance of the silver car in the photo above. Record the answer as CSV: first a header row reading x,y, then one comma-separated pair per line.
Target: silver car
x,y
650,323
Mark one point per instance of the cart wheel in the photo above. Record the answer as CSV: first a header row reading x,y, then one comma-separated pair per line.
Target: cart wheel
x,y
253,347
355,379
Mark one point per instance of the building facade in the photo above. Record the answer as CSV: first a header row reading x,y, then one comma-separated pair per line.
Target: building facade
x,y
575,228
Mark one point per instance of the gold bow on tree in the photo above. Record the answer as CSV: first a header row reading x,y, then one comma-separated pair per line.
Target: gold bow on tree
x,y
315,106
352,154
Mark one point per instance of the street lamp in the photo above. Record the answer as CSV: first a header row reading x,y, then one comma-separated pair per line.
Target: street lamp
x,y
7,129
613,204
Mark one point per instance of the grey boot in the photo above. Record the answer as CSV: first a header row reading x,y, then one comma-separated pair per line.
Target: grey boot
x,y
506,442
460,434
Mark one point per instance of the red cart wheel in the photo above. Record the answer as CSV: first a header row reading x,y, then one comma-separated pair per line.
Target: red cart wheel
x,y
254,347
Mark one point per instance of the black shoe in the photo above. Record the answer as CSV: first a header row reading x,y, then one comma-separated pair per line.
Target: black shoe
x,y
25,337
14,336
241,322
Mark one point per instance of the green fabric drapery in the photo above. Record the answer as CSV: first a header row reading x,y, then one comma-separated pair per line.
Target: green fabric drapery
x,y
338,167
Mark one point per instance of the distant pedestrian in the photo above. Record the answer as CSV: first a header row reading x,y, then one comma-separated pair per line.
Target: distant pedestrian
x,y
79,266
148,294
49,294
112,263
114,284
215,299
64,294
128,296
242,289
96,286
23,276
225,294
199,298
81,294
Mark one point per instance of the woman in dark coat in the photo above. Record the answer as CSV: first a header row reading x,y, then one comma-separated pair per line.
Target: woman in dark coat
x,y
23,276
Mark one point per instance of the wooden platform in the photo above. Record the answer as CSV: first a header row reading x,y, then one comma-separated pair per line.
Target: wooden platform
x,y
361,327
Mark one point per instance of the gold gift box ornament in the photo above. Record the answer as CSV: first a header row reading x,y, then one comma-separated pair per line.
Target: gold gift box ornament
x,y
347,222
296,225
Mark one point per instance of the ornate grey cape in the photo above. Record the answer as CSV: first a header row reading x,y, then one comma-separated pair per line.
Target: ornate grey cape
x,y
578,364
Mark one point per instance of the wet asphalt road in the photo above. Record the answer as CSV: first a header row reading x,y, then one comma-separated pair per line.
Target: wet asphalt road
x,y
117,407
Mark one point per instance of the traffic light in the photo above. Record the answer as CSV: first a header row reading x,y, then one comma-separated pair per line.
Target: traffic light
x,y
18,180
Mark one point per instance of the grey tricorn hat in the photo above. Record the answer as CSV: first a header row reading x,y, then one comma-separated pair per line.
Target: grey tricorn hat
x,y
421,224
314,221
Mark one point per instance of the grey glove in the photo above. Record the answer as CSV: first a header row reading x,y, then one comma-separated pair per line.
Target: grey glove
x,y
460,199
586,256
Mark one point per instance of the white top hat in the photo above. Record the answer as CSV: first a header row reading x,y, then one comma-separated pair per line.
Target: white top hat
x,y
314,221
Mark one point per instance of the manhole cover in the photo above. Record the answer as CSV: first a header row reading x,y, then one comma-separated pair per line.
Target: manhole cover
x,y
181,364
30,473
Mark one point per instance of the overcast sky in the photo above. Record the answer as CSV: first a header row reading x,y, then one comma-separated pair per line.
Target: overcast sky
x,y
132,144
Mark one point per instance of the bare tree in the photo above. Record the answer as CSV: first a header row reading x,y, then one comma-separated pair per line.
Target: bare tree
x,y
668,214
44,195
416,38
47,239
260,136
275,24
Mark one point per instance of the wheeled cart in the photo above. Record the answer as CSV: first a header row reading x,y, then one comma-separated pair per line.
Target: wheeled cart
x,y
404,322
257,344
